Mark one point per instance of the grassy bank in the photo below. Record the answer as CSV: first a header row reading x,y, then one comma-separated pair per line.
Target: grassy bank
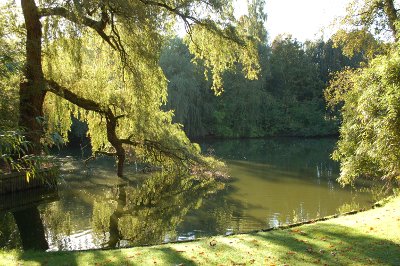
x,y
367,238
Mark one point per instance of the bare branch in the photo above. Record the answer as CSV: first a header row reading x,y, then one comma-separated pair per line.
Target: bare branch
x,y
119,116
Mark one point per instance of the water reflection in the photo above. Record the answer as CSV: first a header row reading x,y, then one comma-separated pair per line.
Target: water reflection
x,y
273,182
278,181
150,212
9,235
21,225
31,229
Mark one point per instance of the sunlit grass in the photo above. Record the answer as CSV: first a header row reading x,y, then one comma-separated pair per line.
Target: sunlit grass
x,y
367,238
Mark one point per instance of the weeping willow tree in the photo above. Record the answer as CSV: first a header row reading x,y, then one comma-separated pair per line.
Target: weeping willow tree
x,y
369,140
98,60
369,97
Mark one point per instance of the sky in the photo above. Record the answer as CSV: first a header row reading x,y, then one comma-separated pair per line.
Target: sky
x,y
303,19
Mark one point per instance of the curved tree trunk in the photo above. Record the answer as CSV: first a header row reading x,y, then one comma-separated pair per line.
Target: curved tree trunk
x,y
115,142
32,88
111,120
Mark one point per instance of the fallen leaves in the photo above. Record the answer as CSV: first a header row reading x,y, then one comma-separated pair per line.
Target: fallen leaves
x,y
302,240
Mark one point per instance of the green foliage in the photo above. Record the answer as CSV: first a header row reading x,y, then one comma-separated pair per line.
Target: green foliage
x,y
368,97
187,90
287,99
372,16
10,65
369,140
368,27
106,54
357,41
9,101
15,155
137,98
218,53
14,152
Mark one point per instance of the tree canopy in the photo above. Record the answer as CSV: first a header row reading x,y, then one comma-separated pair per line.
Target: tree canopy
x,y
369,139
99,62
368,97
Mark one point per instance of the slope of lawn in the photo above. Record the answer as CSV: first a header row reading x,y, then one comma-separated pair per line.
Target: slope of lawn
x,y
366,238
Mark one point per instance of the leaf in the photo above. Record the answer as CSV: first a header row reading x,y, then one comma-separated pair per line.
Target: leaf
x,y
28,175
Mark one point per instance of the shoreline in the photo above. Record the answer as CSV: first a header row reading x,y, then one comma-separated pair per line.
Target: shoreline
x,y
370,237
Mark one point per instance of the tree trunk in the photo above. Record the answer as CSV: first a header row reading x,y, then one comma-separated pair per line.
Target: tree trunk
x,y
391,14
115,142
111,119
32,88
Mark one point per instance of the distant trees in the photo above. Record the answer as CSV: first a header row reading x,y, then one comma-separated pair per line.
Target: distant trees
x,y
287,99
188,95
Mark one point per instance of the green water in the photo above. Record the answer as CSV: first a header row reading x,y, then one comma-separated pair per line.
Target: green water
x,y
280,181
273,182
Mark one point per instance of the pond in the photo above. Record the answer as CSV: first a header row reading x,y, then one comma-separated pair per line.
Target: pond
x,y
273,182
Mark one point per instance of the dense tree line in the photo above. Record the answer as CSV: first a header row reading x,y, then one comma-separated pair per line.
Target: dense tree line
x,y
286,100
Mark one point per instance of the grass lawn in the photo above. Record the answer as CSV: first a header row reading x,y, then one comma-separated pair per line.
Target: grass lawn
x,y
367,238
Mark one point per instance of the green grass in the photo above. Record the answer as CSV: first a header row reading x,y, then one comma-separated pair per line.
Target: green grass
x,y
367,238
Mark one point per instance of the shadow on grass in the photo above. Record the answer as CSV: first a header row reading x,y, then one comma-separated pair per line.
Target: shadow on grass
x,y
167,256
93,257
44,258
334,245
325,243
173,257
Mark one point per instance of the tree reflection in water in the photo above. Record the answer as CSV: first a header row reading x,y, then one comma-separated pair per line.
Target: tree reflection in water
x,y
31,229
21,224
9,235
150,212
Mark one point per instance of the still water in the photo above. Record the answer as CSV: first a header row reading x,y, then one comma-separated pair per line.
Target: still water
x,y
273,182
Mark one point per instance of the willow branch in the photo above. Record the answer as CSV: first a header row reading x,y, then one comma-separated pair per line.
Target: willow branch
x,y
98,26
207,24
106,153
68,95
